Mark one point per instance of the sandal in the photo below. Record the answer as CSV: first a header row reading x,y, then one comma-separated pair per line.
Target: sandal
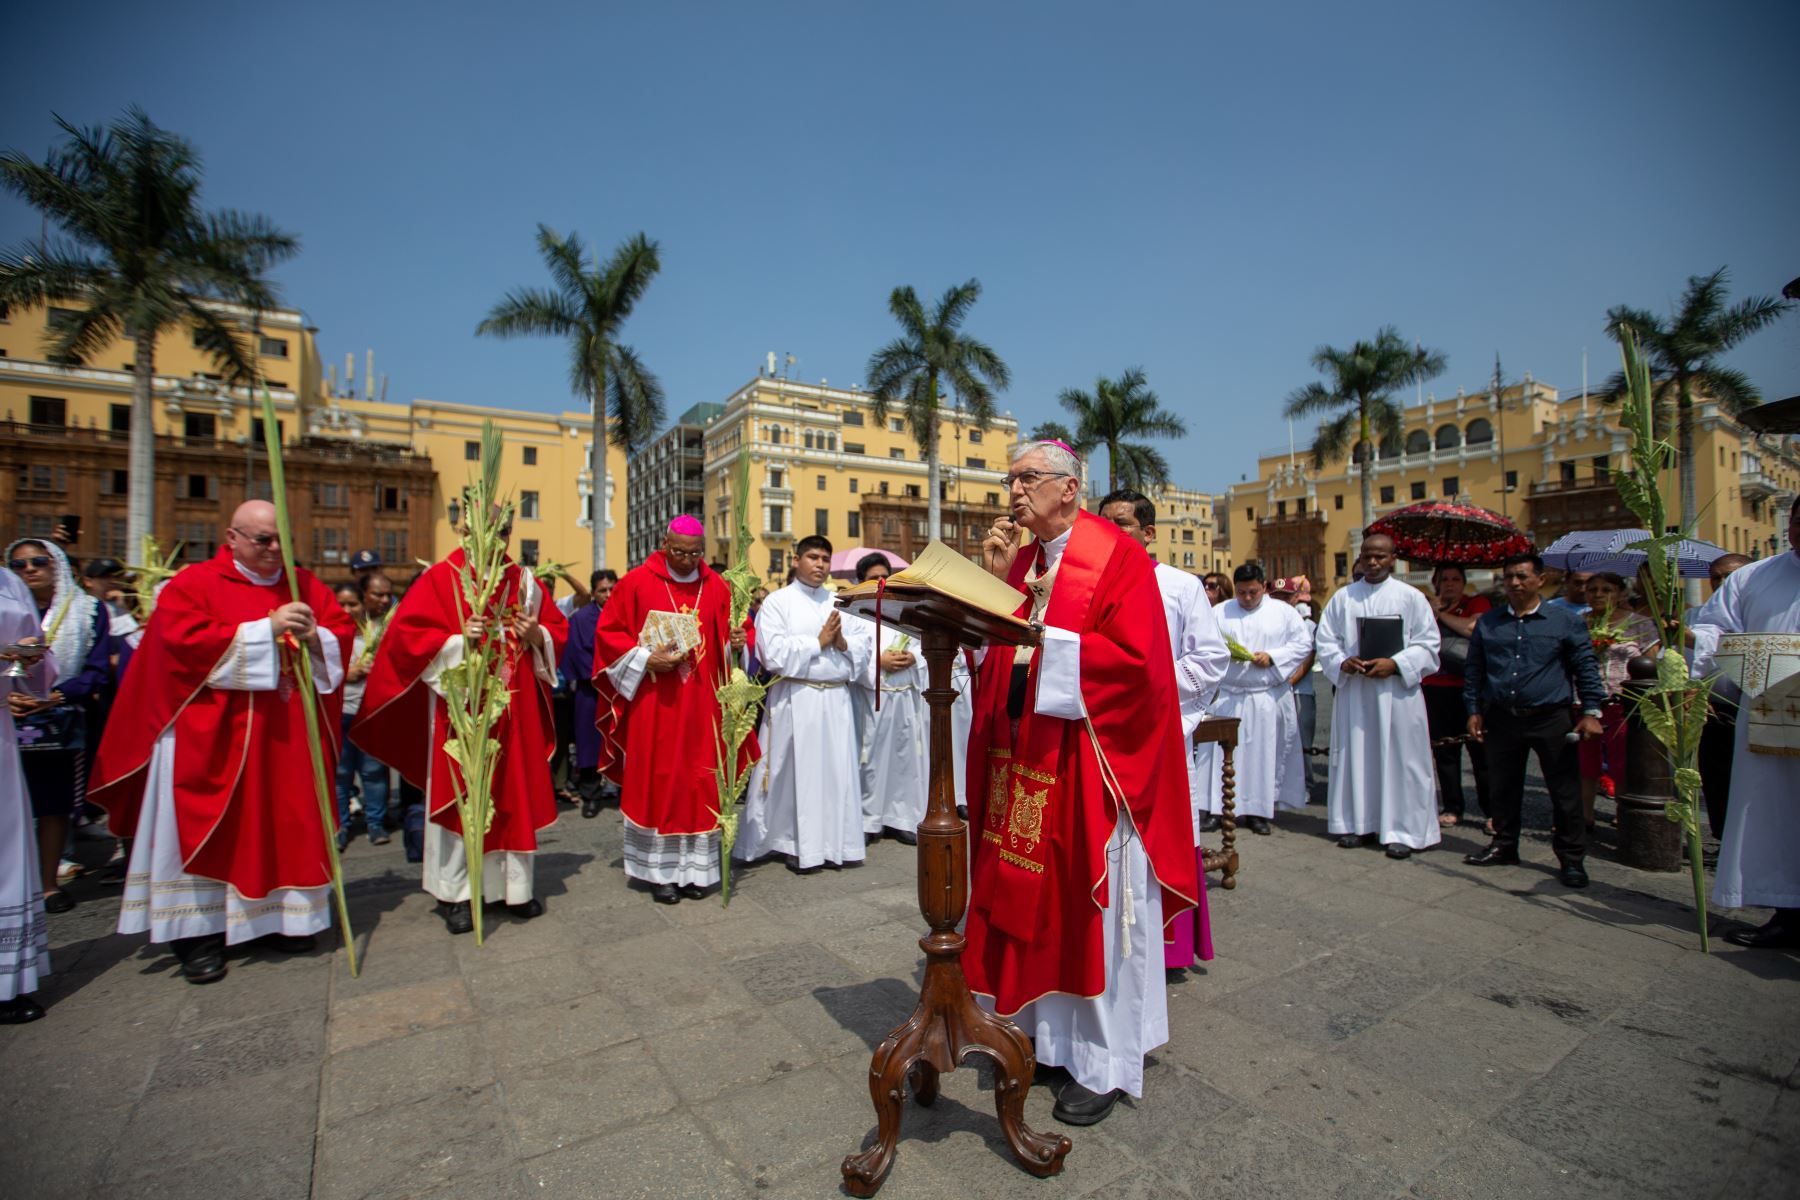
x,y
1448,820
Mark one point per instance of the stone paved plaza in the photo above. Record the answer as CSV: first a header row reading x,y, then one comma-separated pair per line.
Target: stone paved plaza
x,y
1370,1028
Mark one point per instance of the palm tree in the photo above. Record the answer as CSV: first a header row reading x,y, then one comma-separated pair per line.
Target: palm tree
x,y
1052,431
930,351
1684,357
1118,409
1362,382
141,257
588,307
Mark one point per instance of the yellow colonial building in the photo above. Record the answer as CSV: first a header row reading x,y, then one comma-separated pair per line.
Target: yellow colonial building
x,y
1544,460
363,473
1185,529
820,462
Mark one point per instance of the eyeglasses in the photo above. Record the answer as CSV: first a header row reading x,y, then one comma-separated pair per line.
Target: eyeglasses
x,y
36,560
262,540
1031,478
674,553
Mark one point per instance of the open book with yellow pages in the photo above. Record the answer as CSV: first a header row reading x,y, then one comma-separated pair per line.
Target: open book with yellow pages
x,y
941,569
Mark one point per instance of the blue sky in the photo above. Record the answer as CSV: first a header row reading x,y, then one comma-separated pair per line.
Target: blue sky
x,y
1207,191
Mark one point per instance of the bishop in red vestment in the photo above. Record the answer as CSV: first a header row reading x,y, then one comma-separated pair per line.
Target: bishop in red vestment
x,y
205,759
1081,845
659,715
404,722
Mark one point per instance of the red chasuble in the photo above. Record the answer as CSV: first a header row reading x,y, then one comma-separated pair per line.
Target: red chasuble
x,y
1042,807
668,730
404,723
244,804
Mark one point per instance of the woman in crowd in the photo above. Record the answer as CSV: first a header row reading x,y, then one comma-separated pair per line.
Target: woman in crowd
x,y
1457,610
52,732
1620,635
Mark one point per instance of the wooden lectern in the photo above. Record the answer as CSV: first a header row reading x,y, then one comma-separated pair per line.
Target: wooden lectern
x,y
947,1026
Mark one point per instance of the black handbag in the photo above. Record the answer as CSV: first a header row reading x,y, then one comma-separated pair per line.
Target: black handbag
x,y
1453,651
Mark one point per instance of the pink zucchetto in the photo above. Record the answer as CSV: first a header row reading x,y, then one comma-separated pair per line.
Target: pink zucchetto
x,y
687,526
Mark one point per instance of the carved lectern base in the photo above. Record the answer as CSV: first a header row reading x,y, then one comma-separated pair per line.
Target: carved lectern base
x,y
945,1030
947,1027
1223,731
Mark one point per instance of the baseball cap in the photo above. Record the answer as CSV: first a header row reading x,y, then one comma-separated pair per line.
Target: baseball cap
x,y
363,560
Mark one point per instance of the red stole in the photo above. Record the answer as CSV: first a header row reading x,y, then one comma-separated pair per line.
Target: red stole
x,y
1042,808
404,723
245,809
668,730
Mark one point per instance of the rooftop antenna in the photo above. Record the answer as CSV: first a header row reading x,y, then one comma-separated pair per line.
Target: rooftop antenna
x,y
350,375
369,376
787,370
1290,443
384,388
331,381
771,367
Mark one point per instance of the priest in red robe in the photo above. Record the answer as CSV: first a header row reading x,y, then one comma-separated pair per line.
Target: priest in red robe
x,y
404,722
659,713
205,759
1082,847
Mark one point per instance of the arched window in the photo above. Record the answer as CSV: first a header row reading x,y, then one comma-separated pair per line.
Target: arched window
x,y
1480,432
1448,437
1389,449
1418,442
809,439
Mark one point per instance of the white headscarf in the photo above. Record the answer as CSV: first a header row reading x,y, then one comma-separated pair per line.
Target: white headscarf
x,y
75,635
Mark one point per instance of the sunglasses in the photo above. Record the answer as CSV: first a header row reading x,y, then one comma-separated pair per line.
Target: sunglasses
x,y
262,540
36,560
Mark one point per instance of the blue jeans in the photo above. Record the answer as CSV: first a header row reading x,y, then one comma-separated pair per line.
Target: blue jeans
x,y
354,764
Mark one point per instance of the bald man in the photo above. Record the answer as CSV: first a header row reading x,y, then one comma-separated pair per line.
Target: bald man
x,y
205,759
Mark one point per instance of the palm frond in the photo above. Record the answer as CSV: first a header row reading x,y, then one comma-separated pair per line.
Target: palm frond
x,y
1053,431
529,312
625,278
564,259
1334,438
635,397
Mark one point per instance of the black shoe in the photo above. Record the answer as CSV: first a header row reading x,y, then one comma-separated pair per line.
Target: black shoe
x,y
1259,826
590,809
1209,823
1781,933
1396,850
905,837
286,943
202,958
58,901
379,839
1494,855
869,839
693,891
1573,875
19,1010
962,812
526,911
1349,841
1076,1105
457,917
665,893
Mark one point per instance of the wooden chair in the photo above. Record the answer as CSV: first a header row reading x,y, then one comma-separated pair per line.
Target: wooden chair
x,y
1223,731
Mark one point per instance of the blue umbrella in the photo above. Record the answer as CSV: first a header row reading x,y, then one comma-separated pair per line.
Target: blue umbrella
x,y
1606,550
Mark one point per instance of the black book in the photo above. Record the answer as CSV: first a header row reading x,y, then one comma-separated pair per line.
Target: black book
x,y
1380,637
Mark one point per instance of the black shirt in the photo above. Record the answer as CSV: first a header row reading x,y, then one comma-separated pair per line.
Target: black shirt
x,y
1528,661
